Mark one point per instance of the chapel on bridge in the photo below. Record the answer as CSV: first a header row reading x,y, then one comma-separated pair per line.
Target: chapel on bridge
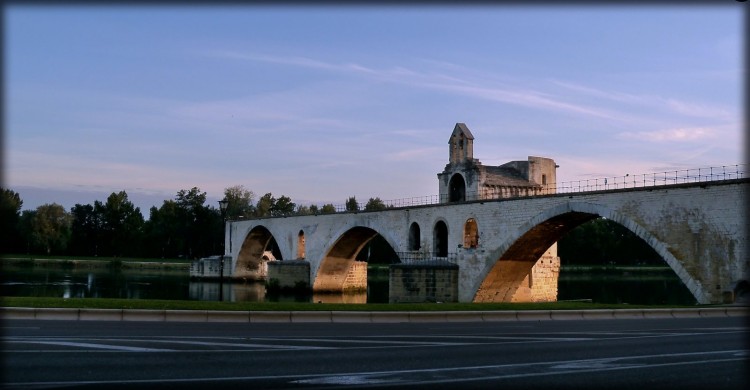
x,y
466,178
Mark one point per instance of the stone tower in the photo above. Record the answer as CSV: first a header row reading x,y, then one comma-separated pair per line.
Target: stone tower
x,y
465,178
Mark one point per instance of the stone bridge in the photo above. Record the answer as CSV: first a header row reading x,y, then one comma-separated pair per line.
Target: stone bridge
x,y
699,229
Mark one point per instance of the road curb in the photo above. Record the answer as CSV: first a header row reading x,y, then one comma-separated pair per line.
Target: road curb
x,y
26,313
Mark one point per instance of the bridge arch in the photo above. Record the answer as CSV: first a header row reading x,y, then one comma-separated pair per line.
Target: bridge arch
x,y
339,270
506,278
258,247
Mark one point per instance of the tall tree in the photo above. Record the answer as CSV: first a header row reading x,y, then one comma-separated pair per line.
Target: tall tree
x,y
604,241
10,215
198,220
51,228
240,202
86,229
375,204
264,205
283,206
351,204
26,231
122,225
165,231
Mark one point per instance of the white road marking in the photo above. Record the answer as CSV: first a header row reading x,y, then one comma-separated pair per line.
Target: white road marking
x,y
362,377
90,345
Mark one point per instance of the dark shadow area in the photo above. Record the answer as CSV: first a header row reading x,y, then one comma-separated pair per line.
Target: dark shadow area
x,y
605,262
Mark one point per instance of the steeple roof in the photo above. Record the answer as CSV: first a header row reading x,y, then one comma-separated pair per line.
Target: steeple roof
x,y
461,128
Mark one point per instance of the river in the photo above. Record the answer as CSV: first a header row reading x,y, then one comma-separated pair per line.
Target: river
x,y
603,286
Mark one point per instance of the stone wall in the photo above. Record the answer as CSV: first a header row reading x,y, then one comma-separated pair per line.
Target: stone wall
x,y
544,277
210,268
698,228
356,277
293,274
416,283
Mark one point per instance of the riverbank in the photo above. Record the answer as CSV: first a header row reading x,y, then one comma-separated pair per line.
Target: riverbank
x,y
95,263
162,304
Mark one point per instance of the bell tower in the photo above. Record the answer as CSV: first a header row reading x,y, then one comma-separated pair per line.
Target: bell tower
x,y
461,145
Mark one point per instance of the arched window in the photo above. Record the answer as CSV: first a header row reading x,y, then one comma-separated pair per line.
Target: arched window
x,y
301,245
440,239
415,236
457,189
471,233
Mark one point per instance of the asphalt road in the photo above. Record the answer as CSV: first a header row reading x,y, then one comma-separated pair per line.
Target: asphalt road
x,y
645,353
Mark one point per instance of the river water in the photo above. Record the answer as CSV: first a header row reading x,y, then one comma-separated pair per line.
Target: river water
x,y
639,287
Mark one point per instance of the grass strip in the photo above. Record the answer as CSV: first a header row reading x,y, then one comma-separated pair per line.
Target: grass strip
x,y
153,304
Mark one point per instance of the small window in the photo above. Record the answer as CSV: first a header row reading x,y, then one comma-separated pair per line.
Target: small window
x,y
440,239
301,245
544,179
471,234
414,237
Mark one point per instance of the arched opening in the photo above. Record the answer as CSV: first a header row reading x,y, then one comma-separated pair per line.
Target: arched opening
x,y
415,237
345,268
258,248
512,277
457,189
471,234
440,239
603,261
301,245
530,270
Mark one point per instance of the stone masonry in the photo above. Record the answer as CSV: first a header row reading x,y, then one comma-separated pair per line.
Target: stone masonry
x,y
505,243
698,228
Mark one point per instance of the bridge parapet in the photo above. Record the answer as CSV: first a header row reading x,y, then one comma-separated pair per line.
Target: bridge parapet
x,y
628,181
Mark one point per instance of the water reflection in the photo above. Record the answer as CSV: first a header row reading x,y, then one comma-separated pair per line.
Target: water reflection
x,y
612,287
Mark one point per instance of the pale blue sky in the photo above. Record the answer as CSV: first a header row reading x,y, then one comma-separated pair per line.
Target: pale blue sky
x,y
323,103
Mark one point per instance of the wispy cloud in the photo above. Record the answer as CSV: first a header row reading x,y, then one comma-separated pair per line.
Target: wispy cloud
x,y
672,105
412,154
465,84
670,135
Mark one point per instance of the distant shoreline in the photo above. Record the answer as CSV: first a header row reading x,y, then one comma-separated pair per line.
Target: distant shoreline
x,y
179,264
144,264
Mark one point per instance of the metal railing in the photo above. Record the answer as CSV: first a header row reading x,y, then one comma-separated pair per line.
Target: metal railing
x,y
693,175
427,258
655,179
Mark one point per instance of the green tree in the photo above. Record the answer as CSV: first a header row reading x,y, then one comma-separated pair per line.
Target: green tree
x,y
314,209
51,228
10,215
26,231
265,205
328,209
603,241
240,202
374,205
283,207
199,223
123,225
304,210
165,231
86,229
351,204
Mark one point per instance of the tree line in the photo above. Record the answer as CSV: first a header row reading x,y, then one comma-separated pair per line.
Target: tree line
x,y
183,227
